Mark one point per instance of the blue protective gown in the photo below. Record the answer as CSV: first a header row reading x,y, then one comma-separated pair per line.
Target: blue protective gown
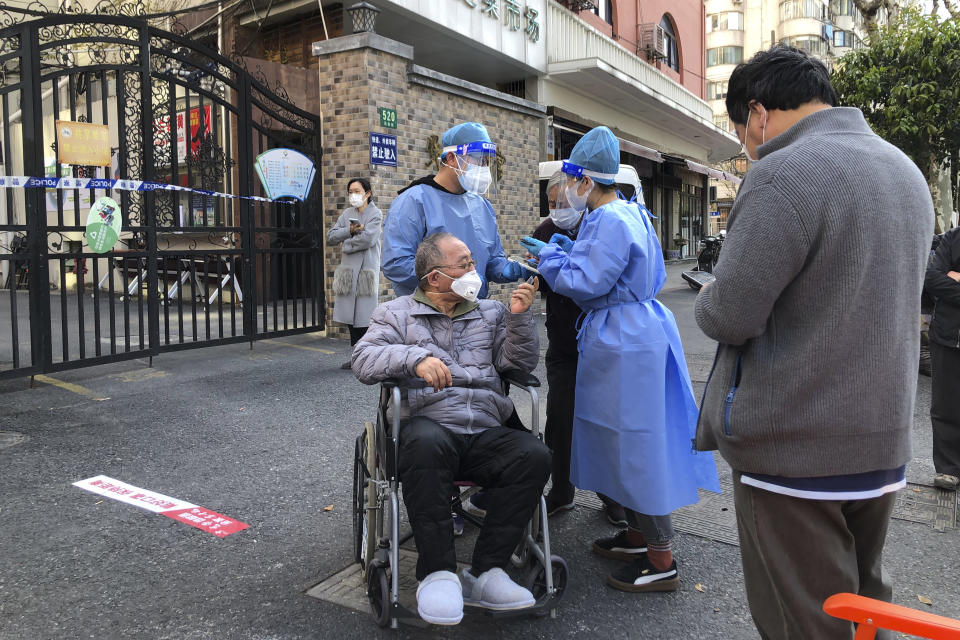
x,y
635,415
422,210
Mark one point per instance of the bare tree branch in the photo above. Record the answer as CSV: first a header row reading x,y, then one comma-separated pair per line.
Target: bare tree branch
x,y
952,8
869,9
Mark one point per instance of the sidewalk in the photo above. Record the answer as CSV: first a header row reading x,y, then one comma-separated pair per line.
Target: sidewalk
x,y
265,437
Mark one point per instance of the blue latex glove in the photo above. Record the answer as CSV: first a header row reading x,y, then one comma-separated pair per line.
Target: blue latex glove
x,y
564,241
532,245
513,271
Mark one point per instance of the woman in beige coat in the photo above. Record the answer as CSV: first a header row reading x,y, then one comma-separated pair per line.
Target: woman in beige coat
x,y
356,280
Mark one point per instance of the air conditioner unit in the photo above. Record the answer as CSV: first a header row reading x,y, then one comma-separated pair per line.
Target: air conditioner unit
x,y
653,40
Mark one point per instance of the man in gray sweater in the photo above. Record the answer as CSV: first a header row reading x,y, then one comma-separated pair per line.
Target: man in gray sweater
x,y
816,307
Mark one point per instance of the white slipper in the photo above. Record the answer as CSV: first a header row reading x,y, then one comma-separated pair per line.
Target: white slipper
x,y
494,589
440,598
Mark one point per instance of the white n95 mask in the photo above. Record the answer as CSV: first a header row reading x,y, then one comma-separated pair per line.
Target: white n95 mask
x,y
475,179
466,286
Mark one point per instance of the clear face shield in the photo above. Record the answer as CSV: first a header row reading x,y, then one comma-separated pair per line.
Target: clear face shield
x,y
476,163
577,176
562,214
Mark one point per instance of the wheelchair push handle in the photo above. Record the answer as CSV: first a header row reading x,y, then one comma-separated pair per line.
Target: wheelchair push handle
x,y
520,378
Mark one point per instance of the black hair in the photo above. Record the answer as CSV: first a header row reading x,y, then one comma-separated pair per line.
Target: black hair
x,y
363,183
781,78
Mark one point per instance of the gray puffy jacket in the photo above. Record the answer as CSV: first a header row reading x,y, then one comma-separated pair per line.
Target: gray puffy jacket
x,y
481,340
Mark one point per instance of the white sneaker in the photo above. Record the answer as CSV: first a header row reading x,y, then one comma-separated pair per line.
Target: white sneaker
x,y
494,589
440,598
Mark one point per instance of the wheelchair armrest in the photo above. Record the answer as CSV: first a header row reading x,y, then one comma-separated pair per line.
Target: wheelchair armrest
x,y
520,378
390,383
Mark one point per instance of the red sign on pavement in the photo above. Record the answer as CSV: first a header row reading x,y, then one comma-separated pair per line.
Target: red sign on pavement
x,y
180,510
210,521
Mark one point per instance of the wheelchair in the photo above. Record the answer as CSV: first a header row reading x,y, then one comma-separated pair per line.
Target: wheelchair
x,y
376,518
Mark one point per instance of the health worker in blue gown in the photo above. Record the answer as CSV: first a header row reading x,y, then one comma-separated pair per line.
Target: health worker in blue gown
x,y
635,413
451,201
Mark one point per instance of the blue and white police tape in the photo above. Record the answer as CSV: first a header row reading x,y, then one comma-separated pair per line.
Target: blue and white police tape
x,y
120,184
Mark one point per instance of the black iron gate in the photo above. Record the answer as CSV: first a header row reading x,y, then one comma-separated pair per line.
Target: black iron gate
x,y
200,260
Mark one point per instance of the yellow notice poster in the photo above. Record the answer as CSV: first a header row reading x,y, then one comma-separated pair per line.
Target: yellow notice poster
x,y
83,143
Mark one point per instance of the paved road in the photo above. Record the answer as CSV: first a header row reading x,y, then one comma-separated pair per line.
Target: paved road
x,y
266,436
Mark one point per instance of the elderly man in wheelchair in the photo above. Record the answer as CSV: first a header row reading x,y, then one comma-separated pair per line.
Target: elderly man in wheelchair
x,y
446,350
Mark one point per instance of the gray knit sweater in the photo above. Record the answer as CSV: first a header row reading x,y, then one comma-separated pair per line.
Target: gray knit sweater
x,y
816,305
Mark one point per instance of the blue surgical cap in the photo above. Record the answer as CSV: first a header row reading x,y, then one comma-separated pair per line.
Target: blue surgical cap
x,y
465,133
598,152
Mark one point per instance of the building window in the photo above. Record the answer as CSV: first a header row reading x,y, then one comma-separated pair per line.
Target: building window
x,y
728,21
722,122
672,59
846,39
724,55
717,90
604,10
792,9
842,7
814,45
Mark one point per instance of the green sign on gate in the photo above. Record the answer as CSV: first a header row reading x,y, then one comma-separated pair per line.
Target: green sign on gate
x,y
388,117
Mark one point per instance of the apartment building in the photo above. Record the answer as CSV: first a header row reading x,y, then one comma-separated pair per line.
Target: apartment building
x,y
737,29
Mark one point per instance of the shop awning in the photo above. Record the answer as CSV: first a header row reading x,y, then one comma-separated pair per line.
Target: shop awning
x,y
716,174
640,150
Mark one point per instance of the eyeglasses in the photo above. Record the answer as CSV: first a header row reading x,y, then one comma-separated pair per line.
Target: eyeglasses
x,y
463,266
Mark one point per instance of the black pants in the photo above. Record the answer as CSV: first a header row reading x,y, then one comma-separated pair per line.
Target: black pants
x,y
945,408
558,431
356,333
512,465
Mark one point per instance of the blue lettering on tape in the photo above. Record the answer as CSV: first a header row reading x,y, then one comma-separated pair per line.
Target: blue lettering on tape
x,y
42,182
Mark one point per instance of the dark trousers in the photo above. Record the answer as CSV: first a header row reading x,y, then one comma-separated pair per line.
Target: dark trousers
x,y
796,553
356,333
945,408
512,465
558,431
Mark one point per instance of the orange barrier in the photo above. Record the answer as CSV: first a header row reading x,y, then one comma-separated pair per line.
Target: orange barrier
x,y
870,615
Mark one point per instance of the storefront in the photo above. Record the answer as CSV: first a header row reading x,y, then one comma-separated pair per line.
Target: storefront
x,y
536,73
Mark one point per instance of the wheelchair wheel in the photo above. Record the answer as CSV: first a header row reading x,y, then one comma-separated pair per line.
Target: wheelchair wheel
x,y
365,507
537,578
378,591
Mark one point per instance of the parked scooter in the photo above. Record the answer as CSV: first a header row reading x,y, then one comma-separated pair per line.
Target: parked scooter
x,y
707,256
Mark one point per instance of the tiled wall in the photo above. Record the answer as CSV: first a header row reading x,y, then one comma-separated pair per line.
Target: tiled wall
x,y
353,84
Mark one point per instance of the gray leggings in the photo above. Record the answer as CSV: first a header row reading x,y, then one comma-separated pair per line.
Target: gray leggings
x,y
656,529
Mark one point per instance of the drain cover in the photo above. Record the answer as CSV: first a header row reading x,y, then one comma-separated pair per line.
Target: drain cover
x,y
346,588
11,438
927,505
